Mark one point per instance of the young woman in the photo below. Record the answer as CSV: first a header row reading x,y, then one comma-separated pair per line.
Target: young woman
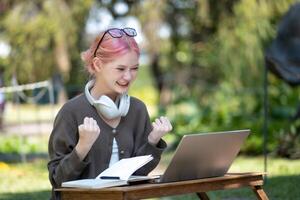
x,y
96,129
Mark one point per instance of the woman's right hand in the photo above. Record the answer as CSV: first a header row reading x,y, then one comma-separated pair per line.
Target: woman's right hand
x,y
89,131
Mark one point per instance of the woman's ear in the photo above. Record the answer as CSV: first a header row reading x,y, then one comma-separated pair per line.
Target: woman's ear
x,y
97,64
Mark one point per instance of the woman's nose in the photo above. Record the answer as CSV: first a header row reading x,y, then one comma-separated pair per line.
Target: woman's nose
x,y
127,75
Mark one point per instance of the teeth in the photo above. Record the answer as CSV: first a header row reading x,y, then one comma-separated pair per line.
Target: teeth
x,y
123,84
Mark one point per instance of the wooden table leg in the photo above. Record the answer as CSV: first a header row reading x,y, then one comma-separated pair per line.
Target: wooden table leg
x,y
260,193
202,195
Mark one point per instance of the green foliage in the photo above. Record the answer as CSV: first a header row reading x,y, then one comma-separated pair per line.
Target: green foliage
x,y
143,89
217,67
22,144
29,46
43,36
241,41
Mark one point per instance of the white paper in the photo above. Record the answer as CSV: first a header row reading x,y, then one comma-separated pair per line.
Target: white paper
x,y
93,183
126,167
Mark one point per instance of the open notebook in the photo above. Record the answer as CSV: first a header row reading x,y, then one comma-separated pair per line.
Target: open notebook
x,y
118,174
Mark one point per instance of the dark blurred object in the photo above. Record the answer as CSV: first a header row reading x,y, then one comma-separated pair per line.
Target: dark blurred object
x,y
289,145
283,57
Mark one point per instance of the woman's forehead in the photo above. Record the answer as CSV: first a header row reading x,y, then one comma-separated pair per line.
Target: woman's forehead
x,y
128,59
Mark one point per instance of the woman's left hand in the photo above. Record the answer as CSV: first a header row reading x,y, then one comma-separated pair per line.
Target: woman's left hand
x,y
161,126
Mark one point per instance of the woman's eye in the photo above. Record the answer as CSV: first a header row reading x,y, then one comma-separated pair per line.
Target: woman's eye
x,y
120,69
135,68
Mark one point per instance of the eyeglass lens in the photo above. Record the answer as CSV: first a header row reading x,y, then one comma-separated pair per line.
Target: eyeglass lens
x,y
116,33
130,32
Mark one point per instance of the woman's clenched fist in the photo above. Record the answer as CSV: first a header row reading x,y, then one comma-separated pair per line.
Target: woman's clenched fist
x,y
89,131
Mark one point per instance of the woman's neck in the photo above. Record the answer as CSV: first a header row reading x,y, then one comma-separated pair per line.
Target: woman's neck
x,y
111,122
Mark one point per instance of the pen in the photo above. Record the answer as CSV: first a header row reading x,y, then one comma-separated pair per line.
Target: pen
x,y
110,177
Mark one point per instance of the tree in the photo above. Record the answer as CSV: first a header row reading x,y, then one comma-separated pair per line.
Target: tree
x,y
213,62
44,37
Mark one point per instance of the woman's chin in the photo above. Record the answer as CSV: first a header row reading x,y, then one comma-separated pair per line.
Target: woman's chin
x,y
122,89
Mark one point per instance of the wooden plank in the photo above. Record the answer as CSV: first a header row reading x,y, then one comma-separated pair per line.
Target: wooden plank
x,y
258,180
186,187
71,195
202,195
260,193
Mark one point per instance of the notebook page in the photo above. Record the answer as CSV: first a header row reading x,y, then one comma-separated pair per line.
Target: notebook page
x,y
126,167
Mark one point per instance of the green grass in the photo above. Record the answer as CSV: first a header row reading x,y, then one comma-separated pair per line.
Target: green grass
x,y
24,181
30,180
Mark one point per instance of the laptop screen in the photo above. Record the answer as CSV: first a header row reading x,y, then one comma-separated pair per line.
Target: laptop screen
x,y
204,155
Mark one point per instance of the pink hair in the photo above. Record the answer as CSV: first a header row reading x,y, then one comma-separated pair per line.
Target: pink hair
x,y
109,49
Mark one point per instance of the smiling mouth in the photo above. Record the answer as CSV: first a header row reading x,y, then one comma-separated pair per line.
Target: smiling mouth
x,y
123,85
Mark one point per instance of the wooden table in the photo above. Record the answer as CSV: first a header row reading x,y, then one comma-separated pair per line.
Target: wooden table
x,y
152,190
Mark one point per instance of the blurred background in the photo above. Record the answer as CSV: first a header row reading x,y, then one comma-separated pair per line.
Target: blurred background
x,y
204,64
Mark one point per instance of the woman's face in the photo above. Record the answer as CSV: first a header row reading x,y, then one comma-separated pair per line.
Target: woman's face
x,y
120,73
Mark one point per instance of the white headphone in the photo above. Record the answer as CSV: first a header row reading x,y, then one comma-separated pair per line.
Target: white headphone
x,y
106,106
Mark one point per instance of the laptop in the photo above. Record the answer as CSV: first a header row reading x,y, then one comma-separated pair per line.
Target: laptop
x,y
204,155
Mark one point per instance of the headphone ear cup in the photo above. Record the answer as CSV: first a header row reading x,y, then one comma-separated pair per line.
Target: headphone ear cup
x,y
124,104
106,101
107,107
87,92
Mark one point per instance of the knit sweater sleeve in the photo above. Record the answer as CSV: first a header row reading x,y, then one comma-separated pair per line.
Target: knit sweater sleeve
x,y
143,147
64,164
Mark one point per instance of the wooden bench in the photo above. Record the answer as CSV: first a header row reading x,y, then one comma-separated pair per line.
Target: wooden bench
x,y
152,190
